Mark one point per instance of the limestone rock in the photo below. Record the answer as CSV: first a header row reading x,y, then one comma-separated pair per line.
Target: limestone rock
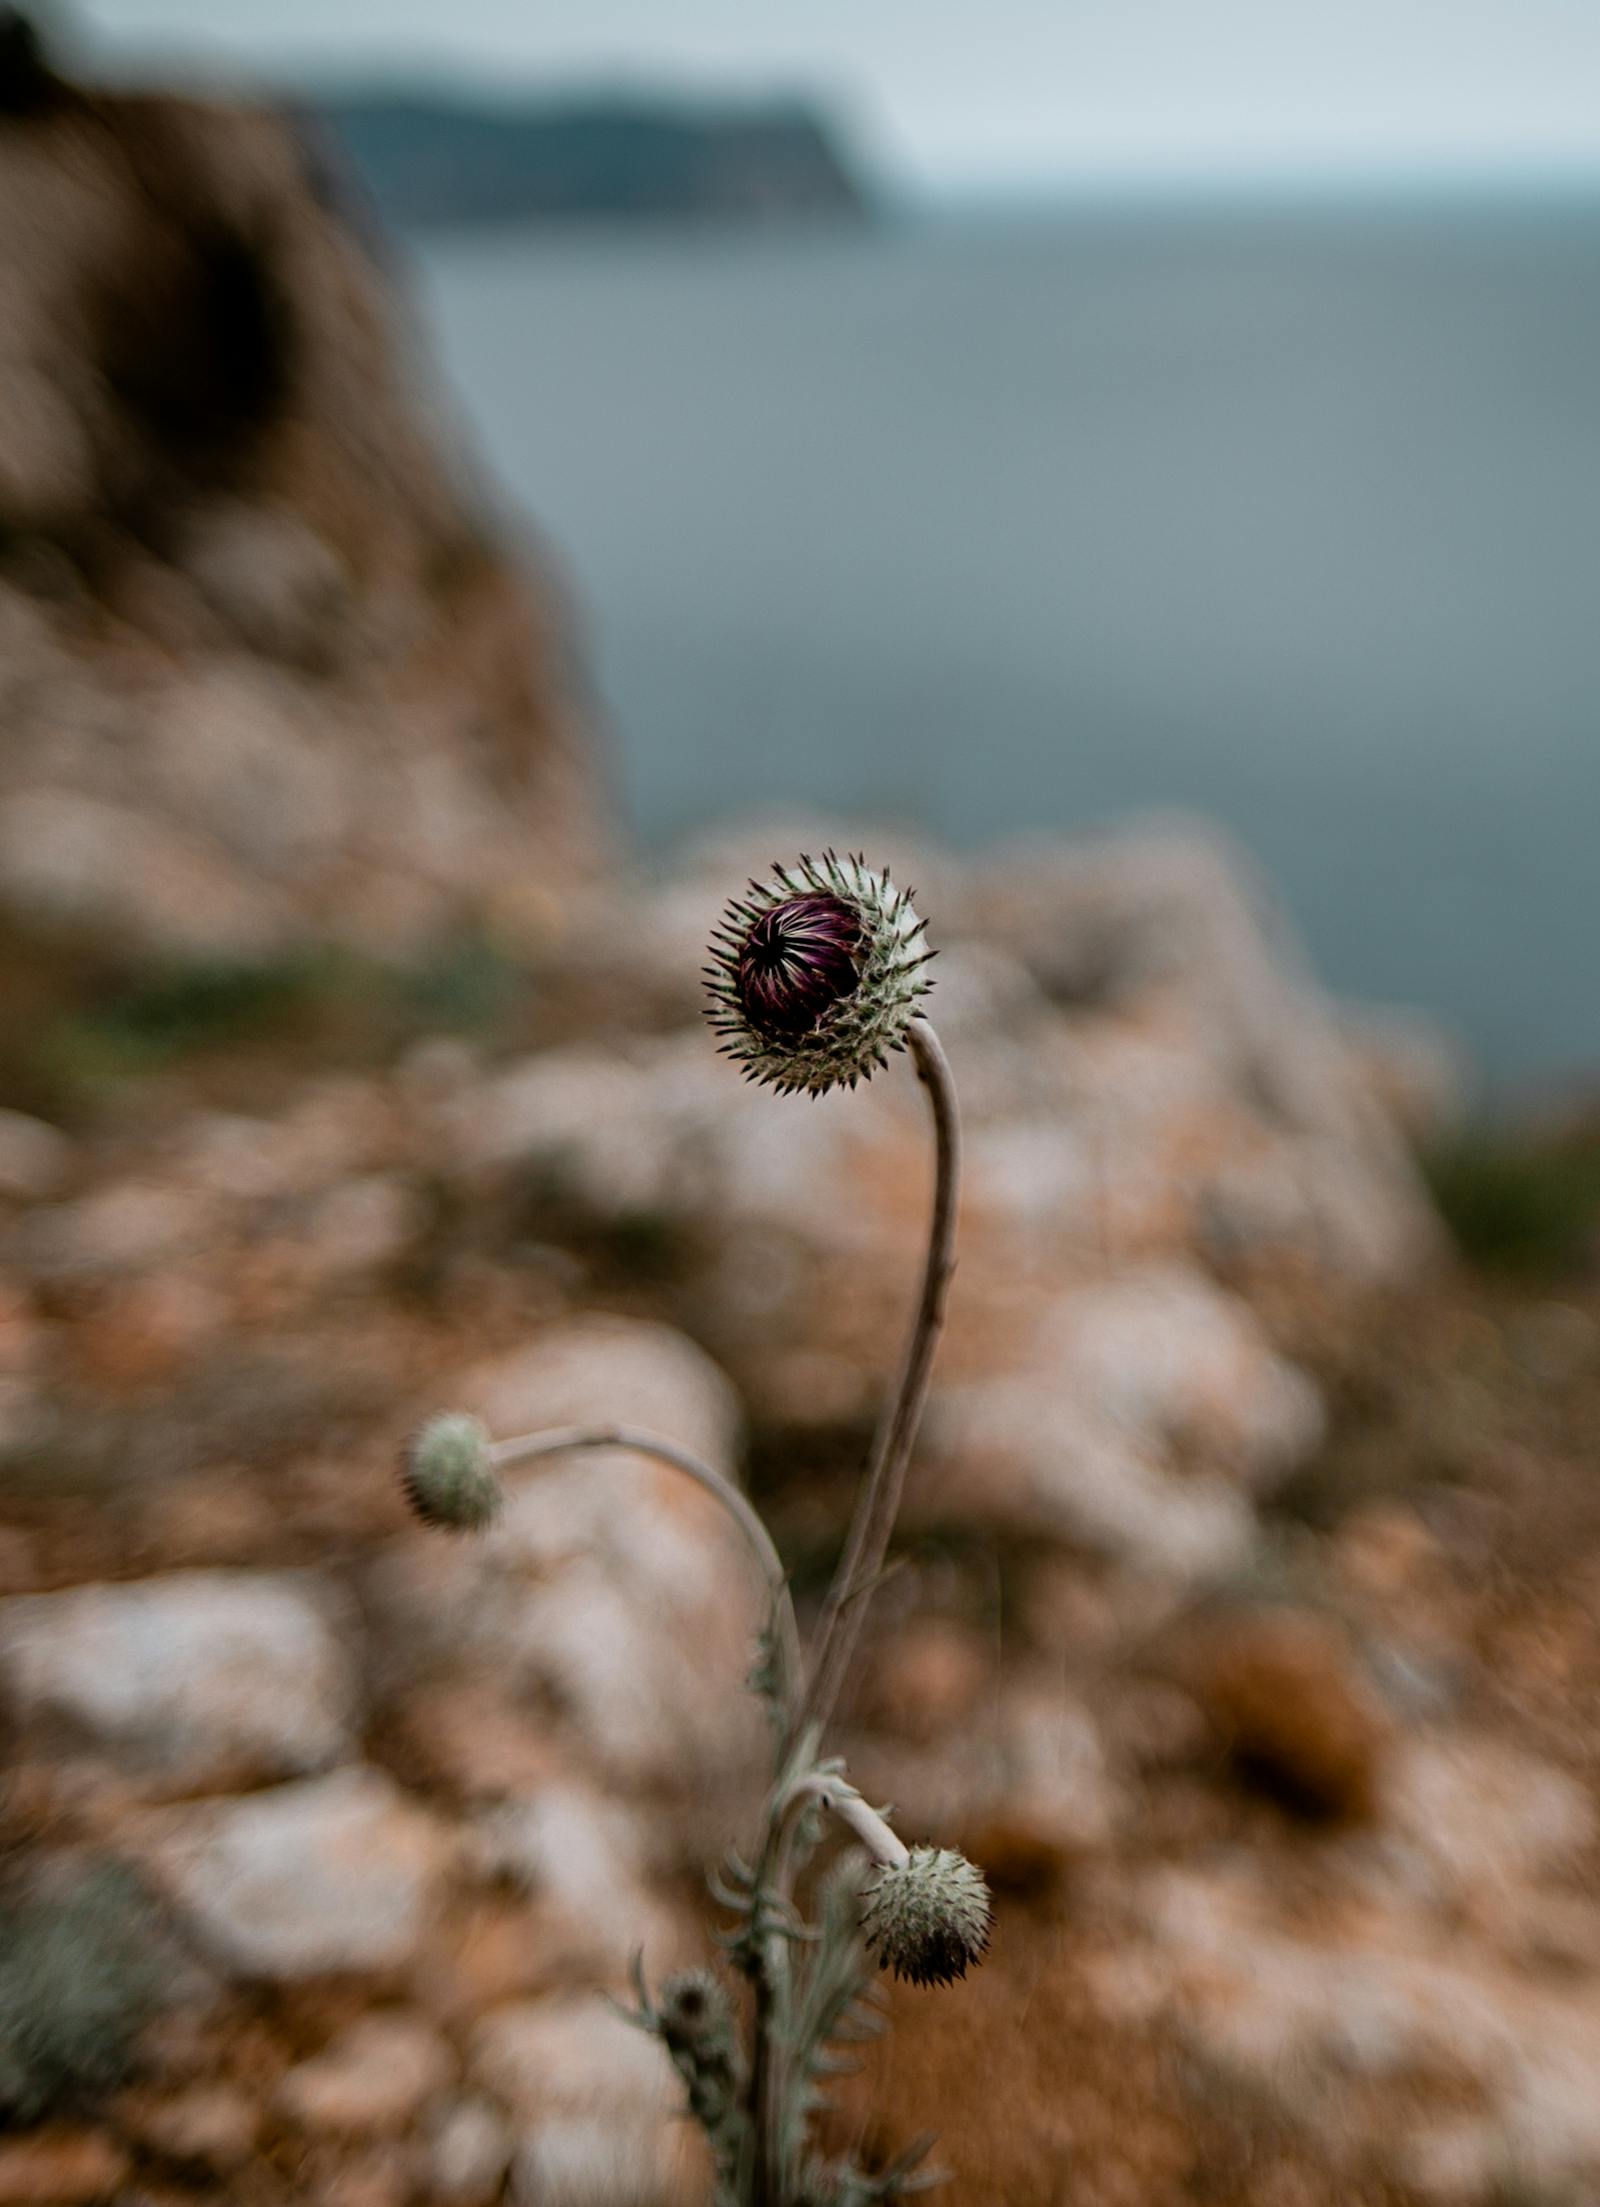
x,y
208,2126
375,2078
594,2103
198,1679
35,1158
602,1370
1485,1814
329,1874
1173,1361
580,1860
1169,921
611,1589
1325,2020
469,2152
1014,1453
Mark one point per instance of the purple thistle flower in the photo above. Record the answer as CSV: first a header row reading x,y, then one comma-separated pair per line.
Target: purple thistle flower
x,y
818,973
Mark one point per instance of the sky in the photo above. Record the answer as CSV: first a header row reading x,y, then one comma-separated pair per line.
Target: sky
x,y
953,95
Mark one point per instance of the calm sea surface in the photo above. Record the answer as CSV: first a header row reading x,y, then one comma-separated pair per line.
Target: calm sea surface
x,y
1291,518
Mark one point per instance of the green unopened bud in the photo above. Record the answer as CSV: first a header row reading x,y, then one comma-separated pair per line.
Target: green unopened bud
x,y
448,1473
928,1918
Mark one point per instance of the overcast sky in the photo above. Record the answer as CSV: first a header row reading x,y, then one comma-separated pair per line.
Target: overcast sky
x,y
1000,92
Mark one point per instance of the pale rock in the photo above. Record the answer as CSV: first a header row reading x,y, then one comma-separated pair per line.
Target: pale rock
x,y
469,2152
26,1418
1169,921
612,1589
579,1858
601,1370
334,1873
35,1158
122,1226
234,1156
198,1678
1018,1454
613,1584
1053,1778
69,858
1316,2020
804,1167
650,1682
233,751
1027,1781
1415,1068
209,2126
566,1839
1136,1409
275,582
1316,1199
587,1121
1174,1361
376,2078
360,1226
379,2175
594,2101
541,2057
1484,1814
583,2160
1036,1178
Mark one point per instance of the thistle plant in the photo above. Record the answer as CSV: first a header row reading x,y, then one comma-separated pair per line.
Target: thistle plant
x,y
817,977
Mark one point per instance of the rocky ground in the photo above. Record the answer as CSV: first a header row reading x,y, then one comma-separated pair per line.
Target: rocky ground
x,y
1244,1630
1243,1621
269,677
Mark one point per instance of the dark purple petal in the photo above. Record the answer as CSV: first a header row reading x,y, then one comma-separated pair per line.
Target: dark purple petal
x,y
796,962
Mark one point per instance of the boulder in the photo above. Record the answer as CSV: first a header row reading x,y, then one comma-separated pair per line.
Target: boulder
x,y
375,2078
331,1874
196,1680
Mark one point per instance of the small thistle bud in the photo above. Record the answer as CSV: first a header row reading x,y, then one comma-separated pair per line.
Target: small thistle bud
x,y
694,2010
927,1918
694,2020
448,1475
817,974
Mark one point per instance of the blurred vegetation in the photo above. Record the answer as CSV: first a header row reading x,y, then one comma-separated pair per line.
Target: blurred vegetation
x,y
1520,1201
77,1028
80,1976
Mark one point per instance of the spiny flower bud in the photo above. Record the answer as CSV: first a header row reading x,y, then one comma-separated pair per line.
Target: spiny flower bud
x,y
448,1474
927,1918
817,974
695,2022
694,2009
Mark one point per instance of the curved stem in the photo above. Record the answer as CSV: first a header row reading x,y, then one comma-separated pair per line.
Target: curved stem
x,y
558,1440
884,1483
837,1794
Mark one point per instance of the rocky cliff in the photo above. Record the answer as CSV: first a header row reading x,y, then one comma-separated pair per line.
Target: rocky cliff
x,y
267,671
427,160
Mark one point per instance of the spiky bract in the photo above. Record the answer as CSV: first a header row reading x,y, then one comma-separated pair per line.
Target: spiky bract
x,y
448,1474
928,1918
817,975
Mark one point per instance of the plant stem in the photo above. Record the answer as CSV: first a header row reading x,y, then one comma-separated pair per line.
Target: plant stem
x,y
558,1440
879,1502
838,1795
